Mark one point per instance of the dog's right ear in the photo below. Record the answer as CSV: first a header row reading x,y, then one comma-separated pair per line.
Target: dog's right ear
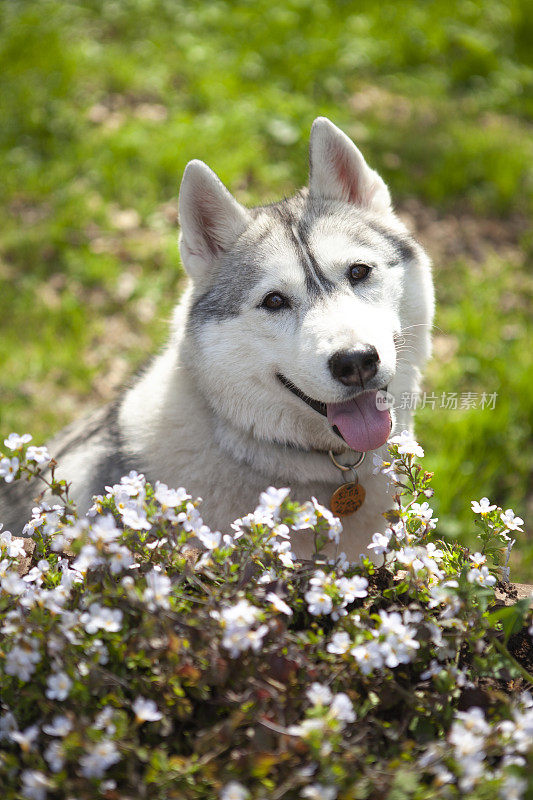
x,y
210,218
338,170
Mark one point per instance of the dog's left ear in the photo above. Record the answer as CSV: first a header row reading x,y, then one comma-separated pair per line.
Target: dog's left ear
x,y
338,170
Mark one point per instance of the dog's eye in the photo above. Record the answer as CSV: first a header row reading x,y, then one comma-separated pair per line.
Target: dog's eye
x,y
274,302
358,272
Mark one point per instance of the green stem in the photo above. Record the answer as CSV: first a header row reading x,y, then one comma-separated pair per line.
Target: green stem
x,y
505,652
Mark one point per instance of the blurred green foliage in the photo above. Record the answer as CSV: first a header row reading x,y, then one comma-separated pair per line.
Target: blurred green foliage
x,y
102,105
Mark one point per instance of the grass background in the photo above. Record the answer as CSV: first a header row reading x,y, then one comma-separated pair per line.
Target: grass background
x,y
102,105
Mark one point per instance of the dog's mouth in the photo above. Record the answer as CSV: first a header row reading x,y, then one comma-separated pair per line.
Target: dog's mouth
x,y
358,421
316,405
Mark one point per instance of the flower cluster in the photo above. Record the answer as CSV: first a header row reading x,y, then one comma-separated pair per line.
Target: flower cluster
x,y
143,653
330,595
239,634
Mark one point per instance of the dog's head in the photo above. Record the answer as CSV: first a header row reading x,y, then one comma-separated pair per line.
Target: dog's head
x,y
300,309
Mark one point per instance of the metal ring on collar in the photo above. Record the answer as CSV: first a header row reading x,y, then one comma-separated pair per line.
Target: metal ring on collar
x,y
347,467
353,479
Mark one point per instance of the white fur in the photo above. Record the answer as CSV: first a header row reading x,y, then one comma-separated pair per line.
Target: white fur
x,y
209,413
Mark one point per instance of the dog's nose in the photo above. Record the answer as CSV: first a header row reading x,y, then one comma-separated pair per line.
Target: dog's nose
x,y
354,367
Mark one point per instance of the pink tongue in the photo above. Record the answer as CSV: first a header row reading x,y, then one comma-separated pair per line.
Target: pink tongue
x,y
362,425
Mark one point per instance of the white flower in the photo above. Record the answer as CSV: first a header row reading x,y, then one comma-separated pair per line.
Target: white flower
x,y
157,590
520,729
157,543
270,501
101,618
13,545
350,588
393,624
238,640
122,497
88,558
341,563
472,721
317,791
104,721
410,557
268,576
135,518
121,558
210,539
36,573
513,787
54,756
281,530
341,708
318,602
483,507
425,513
279,604
319,694
237,621
16,441
170,498
508,518
133,484
12,584
481,576
59,685
395,643
27,738
21,661
380,543
234,791
146,710
240,526
468,731
104,530
340,643
478,559
335,525
398,530
69,577
241,615
34,784
284,553
368,656
305,517
443,594
307,727
8,469
433,552
190,519
102,755
8,724
60,726
434,669
406,444
38,517
39,455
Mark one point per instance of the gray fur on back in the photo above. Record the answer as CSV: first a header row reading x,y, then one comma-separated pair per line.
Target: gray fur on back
x,y
98,431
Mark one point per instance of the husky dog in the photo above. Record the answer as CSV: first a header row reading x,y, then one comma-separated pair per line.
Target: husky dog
x,y
297,315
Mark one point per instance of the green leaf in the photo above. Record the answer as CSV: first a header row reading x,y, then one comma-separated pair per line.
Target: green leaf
x,y
512,617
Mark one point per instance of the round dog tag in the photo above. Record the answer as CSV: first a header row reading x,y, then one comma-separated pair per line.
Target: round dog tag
x,y
347,499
